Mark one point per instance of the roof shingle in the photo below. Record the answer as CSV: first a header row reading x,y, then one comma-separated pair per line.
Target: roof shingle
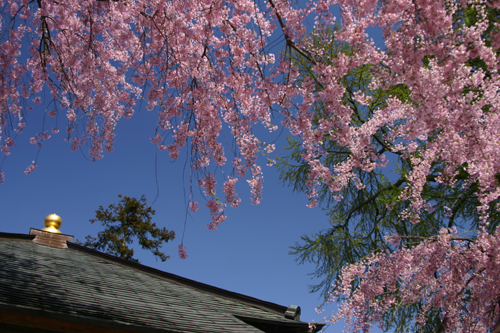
x,y
81,283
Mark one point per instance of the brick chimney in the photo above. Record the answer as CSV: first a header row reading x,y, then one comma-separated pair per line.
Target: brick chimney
x,y
50,235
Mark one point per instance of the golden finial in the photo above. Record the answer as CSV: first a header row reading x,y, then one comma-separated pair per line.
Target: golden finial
x,y
52,223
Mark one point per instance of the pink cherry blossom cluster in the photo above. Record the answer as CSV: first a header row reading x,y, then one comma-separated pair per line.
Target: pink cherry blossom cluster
x,y
216,209
31,168
457,276
182,252
203,65
194,206
230,193
214,205
36,140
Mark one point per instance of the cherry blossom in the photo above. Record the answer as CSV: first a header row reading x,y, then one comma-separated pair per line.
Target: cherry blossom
x,y
209,69
454,275
182,252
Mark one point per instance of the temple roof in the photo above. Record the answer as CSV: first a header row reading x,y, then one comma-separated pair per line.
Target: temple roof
x,y
80,285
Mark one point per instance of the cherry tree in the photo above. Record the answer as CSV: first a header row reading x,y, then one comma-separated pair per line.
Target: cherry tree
x,y
207,67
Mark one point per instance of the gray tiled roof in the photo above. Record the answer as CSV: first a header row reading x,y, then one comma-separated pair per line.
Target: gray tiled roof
x,y
77,282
